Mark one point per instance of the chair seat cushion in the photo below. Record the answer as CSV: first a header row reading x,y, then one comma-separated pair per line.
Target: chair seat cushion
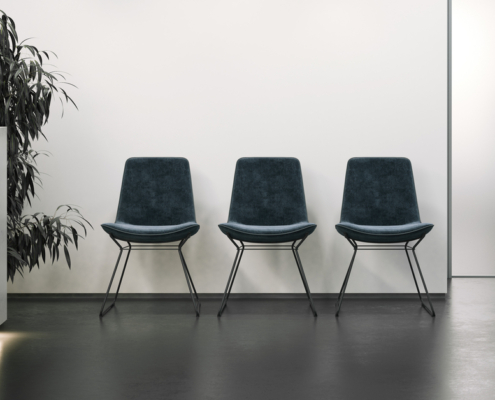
x,y
267,234
150,234
384,234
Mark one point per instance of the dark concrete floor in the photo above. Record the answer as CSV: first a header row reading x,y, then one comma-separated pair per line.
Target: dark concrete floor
x,y
259,349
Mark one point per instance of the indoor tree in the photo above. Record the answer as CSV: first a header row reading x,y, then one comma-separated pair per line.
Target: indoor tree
x,y
26,94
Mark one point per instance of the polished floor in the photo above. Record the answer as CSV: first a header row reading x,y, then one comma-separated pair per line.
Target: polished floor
x,y
260,349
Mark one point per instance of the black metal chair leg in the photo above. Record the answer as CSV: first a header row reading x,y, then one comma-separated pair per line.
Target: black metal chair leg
x,y
303,276
103,311
230,282
344,285
235,274
194,295
414,276
190,279
430,310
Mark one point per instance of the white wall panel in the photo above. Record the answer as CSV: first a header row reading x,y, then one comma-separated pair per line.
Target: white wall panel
x,y
214,81
473,137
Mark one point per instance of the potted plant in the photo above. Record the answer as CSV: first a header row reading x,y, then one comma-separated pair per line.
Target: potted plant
x,y
26,93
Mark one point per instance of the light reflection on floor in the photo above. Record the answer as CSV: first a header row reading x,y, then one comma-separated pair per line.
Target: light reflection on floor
x,y
8,340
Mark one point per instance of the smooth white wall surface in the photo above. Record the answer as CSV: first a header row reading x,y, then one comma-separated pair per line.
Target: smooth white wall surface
x,y
3,225
473,137
214,81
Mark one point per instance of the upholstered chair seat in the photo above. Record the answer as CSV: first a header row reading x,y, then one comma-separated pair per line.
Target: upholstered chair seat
x,y
149,233
156,202
384,233
380,204
268,203
267,234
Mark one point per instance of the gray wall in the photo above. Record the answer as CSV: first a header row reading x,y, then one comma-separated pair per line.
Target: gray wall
x,y
473,139
213,81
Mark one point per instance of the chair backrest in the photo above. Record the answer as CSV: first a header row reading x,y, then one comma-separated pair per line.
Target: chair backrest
x,y
156,191
379,191
268,191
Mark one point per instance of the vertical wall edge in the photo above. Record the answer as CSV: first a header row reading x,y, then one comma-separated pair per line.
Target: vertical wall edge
x,y
3,225
449,138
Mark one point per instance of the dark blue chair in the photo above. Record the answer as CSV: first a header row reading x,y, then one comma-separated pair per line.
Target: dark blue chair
x,y
156,208
380,207
267,208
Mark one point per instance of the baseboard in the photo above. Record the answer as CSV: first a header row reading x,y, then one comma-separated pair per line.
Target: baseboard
x,y
218,296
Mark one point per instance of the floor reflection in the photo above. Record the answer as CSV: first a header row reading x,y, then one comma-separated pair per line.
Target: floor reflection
x,y
258,349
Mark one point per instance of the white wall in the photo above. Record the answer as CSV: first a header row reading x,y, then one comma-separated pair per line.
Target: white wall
x,y
473,137
214,81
